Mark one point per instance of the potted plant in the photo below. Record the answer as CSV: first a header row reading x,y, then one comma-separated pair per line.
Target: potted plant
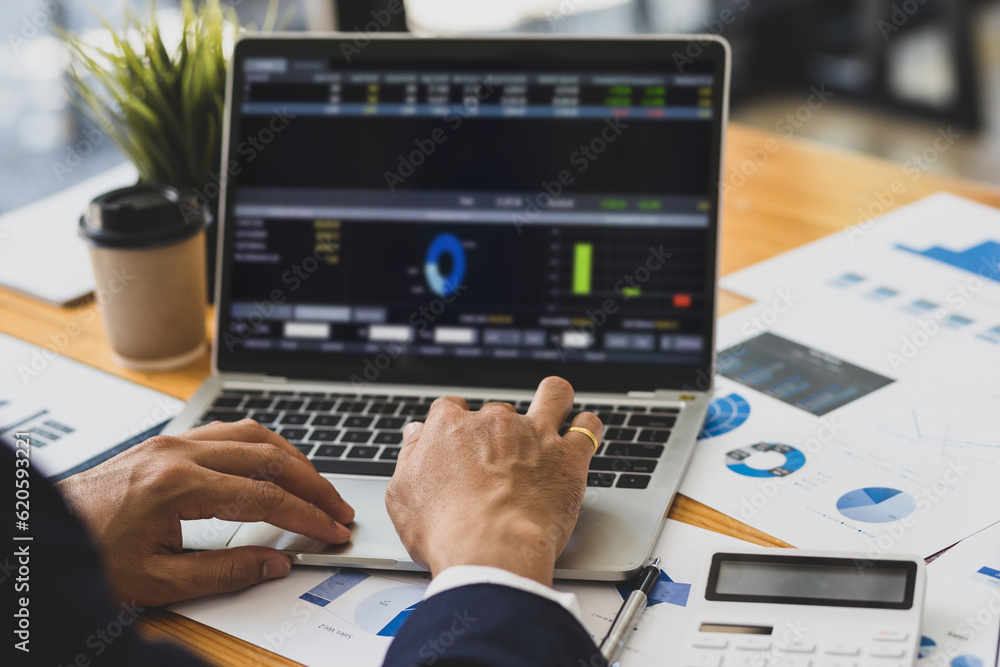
x,y
164,108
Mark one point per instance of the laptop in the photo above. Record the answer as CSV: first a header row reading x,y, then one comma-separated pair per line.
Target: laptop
x,y
409,218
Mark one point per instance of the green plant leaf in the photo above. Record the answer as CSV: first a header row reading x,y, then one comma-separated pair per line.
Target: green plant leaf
x,y
163,110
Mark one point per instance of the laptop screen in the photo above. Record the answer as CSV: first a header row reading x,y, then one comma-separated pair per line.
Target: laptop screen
x,y
471,212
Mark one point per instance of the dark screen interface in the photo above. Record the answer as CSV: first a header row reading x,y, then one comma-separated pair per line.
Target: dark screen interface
x,y
503,215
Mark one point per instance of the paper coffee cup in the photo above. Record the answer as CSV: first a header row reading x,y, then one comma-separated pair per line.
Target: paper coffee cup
x,y
147,250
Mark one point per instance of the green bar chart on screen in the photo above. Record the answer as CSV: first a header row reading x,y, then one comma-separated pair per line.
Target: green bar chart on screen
x,y
583,261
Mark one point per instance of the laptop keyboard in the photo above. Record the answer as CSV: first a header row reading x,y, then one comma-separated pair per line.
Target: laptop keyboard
x,y
360,434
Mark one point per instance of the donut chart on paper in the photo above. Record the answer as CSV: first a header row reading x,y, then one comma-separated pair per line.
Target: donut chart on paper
x,y
742,460
725,413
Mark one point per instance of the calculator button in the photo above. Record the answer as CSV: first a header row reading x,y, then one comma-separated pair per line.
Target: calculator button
x,y
710,642
703,660
753,644
758,659
887,651
891,636
800,647
841,649
792,661
843,663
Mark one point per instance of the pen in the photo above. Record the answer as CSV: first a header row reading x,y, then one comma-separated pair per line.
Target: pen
x,y
633,606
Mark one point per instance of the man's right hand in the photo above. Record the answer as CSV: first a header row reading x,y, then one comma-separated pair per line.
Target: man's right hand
x,y
492,487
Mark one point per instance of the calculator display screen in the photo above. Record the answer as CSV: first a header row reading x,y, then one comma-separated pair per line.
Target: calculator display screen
x,y
840,582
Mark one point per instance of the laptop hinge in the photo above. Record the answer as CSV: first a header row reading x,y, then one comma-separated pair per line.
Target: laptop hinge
x,y
253,377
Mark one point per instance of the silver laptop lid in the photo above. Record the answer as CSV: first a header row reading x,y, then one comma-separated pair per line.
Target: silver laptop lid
x,y
450,210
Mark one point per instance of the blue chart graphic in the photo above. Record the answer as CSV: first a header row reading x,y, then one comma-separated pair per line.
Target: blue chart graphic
x,y
445,245
967,661
876,505
927,647
741,460
333,588
724,414
383,613
380,613
918,307
882,294
991,336
957,321
847,280
665,590
980,259
987,575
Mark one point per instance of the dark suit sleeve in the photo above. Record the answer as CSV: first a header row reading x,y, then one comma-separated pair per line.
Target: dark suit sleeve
x,y
489,625
57,598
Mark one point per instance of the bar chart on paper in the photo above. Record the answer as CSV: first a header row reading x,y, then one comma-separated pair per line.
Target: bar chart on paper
x,y
808,379
982,259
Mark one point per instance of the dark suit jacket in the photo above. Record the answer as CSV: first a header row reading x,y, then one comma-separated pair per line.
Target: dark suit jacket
x,y
488,625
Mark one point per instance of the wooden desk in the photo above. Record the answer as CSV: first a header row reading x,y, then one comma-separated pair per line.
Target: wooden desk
x,y
782,193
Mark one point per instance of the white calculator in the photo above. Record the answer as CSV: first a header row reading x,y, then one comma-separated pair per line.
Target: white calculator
x,y
791,608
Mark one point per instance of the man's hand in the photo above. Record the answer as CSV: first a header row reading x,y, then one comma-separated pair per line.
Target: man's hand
x,y
492,487
133,505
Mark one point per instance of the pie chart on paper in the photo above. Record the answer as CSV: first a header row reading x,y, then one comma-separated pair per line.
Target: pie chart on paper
x,y
967,661
876,504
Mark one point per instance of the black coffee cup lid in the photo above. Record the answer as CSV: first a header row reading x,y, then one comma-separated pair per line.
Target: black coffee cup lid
x,y
142,216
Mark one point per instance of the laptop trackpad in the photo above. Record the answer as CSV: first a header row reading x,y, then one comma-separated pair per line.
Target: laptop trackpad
x,y
266,535
374,542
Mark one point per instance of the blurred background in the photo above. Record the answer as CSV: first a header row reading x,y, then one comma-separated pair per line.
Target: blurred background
x,y
896,72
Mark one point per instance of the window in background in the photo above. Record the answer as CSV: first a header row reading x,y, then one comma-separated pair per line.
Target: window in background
x,y
46,144
448,17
